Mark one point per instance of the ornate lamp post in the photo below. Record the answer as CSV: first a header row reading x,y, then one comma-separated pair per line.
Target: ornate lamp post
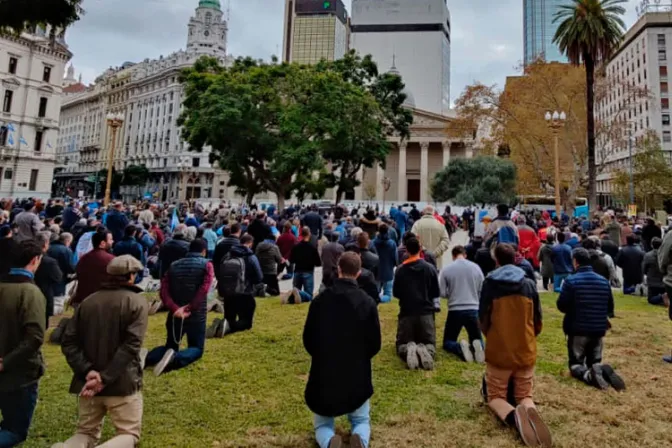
x,y
556,121
114,121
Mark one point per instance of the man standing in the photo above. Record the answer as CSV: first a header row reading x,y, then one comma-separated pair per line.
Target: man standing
x,y
510,317
286,243
387,261
331,253
630,259
654,276
416,285
587,301
240,273
116,221
502,229
342,335
314,222
48,276
60,251
92,268
305,258
102,345
27,223
460,282
259,229
184,291
432,234
22,310
562,262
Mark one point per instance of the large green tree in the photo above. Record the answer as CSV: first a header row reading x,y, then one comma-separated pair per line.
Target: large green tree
x,y
481,180
135,175
364,112
589,32
17,15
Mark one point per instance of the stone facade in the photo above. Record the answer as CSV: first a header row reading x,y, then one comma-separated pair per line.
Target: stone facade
x,y
31,73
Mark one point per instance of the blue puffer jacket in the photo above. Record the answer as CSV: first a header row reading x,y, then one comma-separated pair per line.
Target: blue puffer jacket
x,y
387,257
129,246
186,277
562,259
116,223
587,301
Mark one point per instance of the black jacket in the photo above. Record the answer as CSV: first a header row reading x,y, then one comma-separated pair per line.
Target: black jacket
x,y
331,252
259,230
342,335
370,261
314,222
305,257
7,248
587,300
416,285
221,250
47,277
269,257
610,248
63,256
367,283
483,259
173,250
630,259
650,268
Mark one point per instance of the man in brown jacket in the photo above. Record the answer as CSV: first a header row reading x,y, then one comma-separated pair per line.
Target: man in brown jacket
x,y
102,345
510,317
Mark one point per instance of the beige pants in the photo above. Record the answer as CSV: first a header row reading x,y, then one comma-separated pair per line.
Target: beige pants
x,y
125,414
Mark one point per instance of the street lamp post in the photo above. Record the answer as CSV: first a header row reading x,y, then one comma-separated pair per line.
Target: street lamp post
x,y
632,183
114,121
556,121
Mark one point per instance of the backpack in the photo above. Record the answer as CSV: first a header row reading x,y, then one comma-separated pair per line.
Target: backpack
x,y
233,277
507,234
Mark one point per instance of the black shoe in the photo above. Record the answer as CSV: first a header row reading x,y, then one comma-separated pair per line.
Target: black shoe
x,y
598,378
336,442
356,441
613,378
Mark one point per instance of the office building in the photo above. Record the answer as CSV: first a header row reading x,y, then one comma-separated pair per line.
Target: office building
x,y
414,38
149,96
539,30
315,30
31,75
640,65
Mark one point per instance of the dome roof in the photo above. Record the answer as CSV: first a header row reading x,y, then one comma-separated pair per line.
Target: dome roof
x,y
209,4
410,98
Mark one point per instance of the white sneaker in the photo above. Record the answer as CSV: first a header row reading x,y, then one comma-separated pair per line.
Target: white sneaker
x,y
167,359
412,356
227,328
466,351
284,297
297,296
479,354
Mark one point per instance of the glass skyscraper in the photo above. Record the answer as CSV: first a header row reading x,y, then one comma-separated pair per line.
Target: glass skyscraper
x,y
539,30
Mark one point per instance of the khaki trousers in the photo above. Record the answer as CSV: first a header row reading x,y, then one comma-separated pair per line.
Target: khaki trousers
x,y
125,414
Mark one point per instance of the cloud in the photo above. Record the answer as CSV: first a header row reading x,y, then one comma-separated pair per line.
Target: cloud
x,y
487,35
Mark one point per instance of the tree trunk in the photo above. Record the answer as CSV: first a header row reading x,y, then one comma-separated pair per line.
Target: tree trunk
x,y
249,197
339,195
590,126
281,201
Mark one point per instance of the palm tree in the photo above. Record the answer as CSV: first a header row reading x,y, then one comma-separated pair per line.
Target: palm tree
x,y
589,33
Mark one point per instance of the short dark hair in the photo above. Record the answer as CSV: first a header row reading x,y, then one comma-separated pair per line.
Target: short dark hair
x,y
407,236
99,237
459,250
383,229
246,239
630,239
363,240
235,228
130,230
561,237
226,232
305,232
588,244
350,264
550,238
581,256
24,253
413,246
502,209
287,226
656,243
505,254
198,246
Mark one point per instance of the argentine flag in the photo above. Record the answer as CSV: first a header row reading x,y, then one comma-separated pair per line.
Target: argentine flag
x,y
23,141
10,127
10,140
174,222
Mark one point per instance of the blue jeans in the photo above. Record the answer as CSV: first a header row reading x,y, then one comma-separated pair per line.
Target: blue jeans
x,y
386,288
359,420
454,323
17,408
557,281
629,289
305,280
194,329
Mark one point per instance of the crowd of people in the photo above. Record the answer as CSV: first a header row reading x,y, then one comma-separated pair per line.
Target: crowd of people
x,y
97,260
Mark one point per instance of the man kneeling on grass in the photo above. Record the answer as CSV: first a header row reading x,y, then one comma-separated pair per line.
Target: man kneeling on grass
x,y
342,335
102,346
510,316
416,284
587,301
184,291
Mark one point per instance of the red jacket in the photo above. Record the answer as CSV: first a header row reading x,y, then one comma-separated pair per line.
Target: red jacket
x,y
286,242
529,244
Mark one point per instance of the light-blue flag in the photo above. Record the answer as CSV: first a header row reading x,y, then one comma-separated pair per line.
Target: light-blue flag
x,y
10,140
23,141
174,222
10,127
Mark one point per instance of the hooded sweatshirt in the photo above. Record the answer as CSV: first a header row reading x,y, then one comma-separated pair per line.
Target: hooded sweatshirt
x,y
510,316
416,284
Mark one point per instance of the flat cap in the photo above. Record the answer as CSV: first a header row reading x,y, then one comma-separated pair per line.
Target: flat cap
x,y
124,265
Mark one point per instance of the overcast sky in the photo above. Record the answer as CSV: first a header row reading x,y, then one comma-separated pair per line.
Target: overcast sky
x,y
487,35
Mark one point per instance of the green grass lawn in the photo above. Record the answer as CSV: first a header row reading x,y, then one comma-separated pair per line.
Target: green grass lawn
x,y
247,391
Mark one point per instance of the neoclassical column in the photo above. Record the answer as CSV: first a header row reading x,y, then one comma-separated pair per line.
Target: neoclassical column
x,y
424,171
446,152
401,181
380,173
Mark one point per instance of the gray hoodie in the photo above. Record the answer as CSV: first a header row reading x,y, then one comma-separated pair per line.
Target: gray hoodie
x,y
461,283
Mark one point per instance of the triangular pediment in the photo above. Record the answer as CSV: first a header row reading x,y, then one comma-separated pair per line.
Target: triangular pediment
x,y
11,83
425,119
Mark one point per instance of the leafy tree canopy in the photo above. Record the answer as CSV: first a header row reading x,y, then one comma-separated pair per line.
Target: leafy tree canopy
x,y
135,175
482,180
17,15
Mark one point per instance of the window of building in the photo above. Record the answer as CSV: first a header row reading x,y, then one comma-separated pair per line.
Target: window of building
x,y
42,112
7,102
661,39
39,135
665,103
13,63
666,119
663,87
667,136
196,162
662,55
46,75
662,71
32,186
8,174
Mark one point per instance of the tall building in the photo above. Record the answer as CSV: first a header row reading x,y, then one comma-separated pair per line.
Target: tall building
x,y
412,36
315,30
149,95
640,65
31,75
539,30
